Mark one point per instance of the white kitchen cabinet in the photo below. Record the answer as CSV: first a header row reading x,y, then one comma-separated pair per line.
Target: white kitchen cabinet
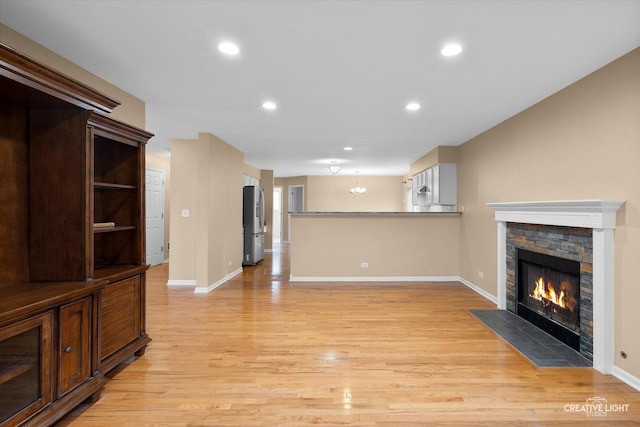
x,y
419,197
437,188
445,184
428,186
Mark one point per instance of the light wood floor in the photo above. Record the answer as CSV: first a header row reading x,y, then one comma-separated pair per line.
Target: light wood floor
x,y
260,351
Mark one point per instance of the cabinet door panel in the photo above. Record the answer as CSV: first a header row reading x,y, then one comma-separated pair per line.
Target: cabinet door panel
x,y
435,187
428,182
25,368
75,340
120,314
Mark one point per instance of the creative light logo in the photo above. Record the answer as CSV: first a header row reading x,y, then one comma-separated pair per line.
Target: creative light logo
x,y
596,407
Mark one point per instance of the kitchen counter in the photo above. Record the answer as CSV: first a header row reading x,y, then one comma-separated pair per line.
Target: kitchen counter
x,y
349,246
395,214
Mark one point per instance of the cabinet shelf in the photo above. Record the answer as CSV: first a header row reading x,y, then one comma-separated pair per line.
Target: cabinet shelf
x,y
16,369
114,273
111,186
114,229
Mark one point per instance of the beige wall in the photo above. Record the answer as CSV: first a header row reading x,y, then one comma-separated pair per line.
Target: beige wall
x,y
184,195
266,182
131,110
207,180
581,143
331,194
163,163
251,171
440,154
393,246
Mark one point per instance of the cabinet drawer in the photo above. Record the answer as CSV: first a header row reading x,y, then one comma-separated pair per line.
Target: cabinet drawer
x,y
120,314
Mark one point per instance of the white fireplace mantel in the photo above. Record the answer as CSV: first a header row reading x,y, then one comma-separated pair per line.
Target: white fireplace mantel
x,y
600,216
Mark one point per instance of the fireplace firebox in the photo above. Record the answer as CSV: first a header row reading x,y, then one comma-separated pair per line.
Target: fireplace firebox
x,y
548,291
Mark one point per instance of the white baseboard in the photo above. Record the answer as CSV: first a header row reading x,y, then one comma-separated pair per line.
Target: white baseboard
x,y
479,290
225,279
234,273
206,290
376,279
626,377
468,284
191,283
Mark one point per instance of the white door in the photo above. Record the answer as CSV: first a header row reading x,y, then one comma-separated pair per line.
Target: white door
x,y
296,203
296,198
154,181
277,215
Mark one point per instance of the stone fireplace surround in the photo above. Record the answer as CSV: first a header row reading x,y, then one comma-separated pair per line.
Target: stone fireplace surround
x,y
600,217
564,242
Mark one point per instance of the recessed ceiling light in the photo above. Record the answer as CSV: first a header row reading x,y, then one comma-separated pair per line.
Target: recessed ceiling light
x,y
269,105
229,48
451,49
413,106
348,148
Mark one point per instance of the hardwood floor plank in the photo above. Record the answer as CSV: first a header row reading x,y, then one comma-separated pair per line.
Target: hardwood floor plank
x,y
261,351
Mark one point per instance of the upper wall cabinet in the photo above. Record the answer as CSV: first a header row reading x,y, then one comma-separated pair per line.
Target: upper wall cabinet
x,y
437,188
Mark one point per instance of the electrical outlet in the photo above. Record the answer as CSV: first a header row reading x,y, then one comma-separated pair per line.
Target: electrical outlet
x,y
186,213
364,264
480,274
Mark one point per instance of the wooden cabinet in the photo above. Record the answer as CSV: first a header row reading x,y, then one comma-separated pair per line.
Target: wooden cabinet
x,y
118,233
66,169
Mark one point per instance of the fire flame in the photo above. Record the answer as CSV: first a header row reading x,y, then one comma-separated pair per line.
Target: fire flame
x,y
548,293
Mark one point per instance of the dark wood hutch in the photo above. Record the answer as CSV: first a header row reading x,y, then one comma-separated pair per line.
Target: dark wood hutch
x,y
72,257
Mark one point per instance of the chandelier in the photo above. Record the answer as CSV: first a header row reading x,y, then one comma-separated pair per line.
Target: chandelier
x,y
357,190
334,168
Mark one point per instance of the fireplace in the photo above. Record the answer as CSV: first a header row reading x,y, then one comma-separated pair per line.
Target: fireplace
x,y
596,278
548,294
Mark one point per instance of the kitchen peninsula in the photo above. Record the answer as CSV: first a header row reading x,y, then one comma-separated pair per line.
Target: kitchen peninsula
x,y
374,246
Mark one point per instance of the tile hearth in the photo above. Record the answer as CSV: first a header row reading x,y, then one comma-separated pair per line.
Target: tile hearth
x,y
540,348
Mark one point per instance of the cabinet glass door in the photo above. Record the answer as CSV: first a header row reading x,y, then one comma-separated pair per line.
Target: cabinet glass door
x,y
25,368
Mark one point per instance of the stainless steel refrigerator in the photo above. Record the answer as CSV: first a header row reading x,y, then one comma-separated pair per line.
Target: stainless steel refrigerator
x,y
252,224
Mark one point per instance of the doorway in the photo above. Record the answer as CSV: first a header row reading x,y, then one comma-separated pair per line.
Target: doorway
x,y
277,215
154,208
296,198
296,204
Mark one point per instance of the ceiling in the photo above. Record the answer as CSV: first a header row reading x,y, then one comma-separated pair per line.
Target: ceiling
x,y
340,72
